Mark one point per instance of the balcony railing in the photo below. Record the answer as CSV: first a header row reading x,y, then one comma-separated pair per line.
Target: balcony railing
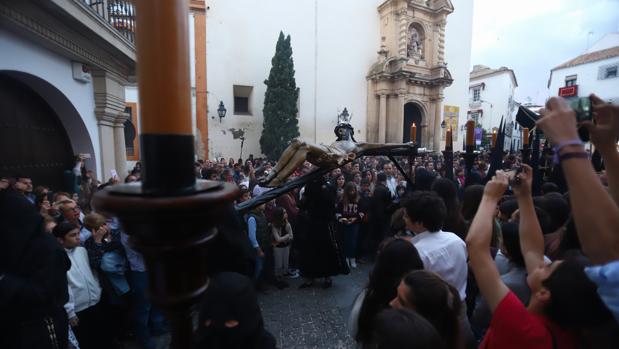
x,y
119,13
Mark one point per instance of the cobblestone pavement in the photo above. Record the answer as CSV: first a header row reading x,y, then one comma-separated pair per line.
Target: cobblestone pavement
x,y
305,318
313,317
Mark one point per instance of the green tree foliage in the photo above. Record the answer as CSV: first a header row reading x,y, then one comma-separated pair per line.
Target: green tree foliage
x,y
280,125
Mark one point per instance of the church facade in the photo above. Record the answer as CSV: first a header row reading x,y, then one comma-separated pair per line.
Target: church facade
x,y
389,63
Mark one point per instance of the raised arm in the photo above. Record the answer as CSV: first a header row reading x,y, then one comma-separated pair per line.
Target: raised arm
x,y
478,243
531,238
595,214
604,134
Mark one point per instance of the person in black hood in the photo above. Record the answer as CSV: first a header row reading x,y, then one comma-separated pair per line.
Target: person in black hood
x,y
230,317
33,279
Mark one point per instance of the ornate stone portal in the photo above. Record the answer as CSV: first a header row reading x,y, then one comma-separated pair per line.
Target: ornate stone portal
x,y
405,85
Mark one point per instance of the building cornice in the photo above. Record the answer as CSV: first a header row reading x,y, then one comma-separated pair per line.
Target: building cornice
x,y
494,73
414,78
13,19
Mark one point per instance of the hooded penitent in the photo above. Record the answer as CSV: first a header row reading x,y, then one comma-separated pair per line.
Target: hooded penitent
x,y
230,317
33,286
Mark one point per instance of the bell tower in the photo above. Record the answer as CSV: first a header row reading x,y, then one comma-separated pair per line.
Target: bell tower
x,y
406,83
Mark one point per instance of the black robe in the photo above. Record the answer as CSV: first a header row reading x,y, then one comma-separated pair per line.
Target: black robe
x,y
320,256
231,296
33,288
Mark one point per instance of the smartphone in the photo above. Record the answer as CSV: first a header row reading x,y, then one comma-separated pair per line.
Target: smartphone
x,y
582,107
583,110
512,176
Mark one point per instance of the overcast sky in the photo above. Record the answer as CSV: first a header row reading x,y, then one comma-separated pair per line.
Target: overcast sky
x,y
533,36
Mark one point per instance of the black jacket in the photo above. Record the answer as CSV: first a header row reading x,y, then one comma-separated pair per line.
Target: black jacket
x,y
34,269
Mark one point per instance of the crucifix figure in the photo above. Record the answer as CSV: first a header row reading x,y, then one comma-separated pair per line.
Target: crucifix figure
x,y
344,149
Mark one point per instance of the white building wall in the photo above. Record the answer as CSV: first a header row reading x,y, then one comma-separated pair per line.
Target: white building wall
x,y
494,101
458,42
21,55
587,80
334,44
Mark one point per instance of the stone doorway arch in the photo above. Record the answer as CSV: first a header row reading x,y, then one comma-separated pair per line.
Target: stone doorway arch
x,y
40,130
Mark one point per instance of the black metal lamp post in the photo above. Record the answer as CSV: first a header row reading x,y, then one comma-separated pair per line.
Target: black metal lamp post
x,y
242,141
221,111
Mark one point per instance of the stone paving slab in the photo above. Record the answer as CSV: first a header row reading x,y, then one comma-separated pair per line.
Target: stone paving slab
x,y
313,317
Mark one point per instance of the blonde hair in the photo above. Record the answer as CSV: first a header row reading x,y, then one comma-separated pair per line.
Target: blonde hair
x,y
94,221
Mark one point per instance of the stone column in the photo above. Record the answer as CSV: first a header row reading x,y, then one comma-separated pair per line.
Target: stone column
x,y
106,143
440,28
120,149
382,118
109,91
428,131
372,113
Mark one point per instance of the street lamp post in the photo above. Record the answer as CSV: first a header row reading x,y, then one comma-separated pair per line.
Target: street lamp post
x,y
242,141
221,111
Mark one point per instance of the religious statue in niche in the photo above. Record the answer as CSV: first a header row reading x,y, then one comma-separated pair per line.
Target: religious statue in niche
x,y
415,43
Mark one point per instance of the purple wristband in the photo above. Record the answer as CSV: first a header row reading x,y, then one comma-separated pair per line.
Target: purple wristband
x,y
557,148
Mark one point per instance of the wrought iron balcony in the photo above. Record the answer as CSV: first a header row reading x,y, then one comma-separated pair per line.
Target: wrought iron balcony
x,y
119,13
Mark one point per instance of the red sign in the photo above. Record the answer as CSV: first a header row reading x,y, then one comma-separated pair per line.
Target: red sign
x,y
568,91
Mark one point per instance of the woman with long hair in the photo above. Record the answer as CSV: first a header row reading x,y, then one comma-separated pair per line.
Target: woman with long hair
x,y
447,190
394,260
369,174
282,236
340,182
349,216
434,299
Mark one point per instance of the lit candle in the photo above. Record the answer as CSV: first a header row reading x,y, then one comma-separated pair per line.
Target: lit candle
x,y
162,40
448,140
470,132
413,133
493,139
525,136
164,84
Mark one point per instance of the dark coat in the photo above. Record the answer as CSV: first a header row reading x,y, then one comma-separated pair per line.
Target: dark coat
x,y
319,256
381,208
33,289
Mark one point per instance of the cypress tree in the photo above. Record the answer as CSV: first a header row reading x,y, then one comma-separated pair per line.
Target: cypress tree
x,y
280,125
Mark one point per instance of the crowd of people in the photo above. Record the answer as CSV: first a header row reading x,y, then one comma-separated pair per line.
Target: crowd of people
x,y
455,263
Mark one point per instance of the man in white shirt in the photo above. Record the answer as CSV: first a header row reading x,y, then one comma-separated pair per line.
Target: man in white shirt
x,y
441,252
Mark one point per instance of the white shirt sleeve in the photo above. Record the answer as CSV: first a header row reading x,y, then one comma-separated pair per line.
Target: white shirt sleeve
x,y
69,307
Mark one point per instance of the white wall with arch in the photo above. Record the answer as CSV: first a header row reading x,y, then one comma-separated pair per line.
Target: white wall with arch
x,y
50,75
